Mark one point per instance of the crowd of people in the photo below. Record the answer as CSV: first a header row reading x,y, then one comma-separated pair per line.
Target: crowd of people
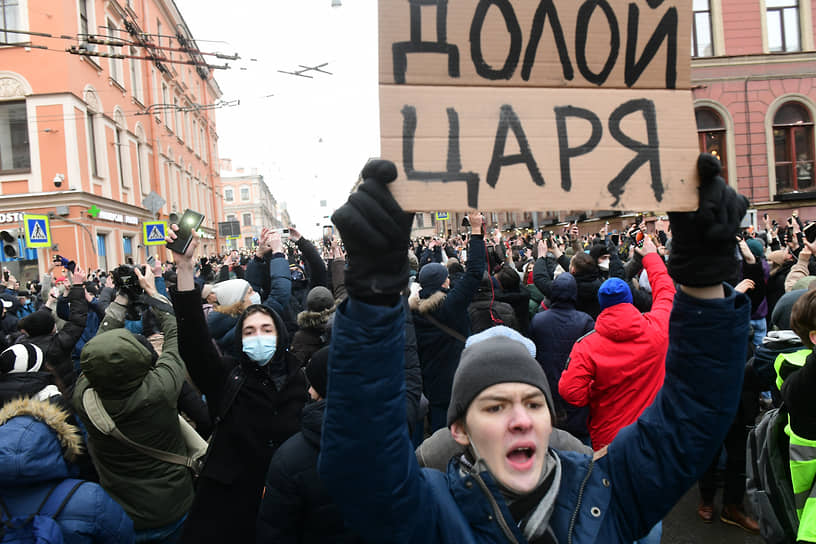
x,y
491,386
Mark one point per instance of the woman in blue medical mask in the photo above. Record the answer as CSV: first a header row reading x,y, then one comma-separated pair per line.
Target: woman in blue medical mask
x,y
255,396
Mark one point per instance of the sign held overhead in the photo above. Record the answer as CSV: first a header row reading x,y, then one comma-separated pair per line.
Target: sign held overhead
x,y
535,105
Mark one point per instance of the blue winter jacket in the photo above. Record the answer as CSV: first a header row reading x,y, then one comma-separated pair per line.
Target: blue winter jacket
x,y
368,465
32,463
554,333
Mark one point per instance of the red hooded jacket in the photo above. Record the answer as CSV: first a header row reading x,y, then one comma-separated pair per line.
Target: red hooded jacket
x,y
619,367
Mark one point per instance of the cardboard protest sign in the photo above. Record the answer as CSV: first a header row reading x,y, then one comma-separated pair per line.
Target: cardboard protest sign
x,y
538,105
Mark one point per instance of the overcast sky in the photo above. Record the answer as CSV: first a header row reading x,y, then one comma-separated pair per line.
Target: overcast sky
x,y
312,137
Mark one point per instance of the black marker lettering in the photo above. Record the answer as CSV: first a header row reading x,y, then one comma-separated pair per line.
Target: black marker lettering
x,y
509,120
546,11
654,4
513,28
648,152
400,50
454,161
566,152
582,27
666,31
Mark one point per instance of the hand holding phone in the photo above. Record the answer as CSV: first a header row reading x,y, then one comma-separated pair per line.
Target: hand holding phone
x,y
187,225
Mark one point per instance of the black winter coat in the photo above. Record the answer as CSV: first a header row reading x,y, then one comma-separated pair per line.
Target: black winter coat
x,y
438,352
259,420
296,508
57,347
554,332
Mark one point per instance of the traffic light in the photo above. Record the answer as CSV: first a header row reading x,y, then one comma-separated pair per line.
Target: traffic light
x,y
9,239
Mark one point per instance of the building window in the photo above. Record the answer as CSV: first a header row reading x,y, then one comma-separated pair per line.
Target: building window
x,y
165,104
231,217
793,149
245,194
249,242
136,75
102,250
89,118
420,220
229,196
10,12
127,248
782,21
84,25
711,135
14,153
247,217
177,125
701,40
115,63
120,157
141,166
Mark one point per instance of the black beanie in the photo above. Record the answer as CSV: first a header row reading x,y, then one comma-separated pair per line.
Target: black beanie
x,y
38,323
496,355
317,371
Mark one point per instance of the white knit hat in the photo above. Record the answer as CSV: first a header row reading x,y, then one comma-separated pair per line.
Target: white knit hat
x,y
231,291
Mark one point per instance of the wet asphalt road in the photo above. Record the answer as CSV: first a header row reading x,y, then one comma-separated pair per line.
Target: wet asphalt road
x,y
682,526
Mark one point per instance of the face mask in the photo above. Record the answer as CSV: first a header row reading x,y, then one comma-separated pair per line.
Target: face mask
x,y
260,348
255,298
604,265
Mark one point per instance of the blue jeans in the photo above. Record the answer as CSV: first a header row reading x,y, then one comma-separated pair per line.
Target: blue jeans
x,y
169,534
654,535
760,330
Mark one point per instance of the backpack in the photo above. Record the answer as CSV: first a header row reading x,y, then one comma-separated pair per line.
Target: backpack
x,y
768,480
41,527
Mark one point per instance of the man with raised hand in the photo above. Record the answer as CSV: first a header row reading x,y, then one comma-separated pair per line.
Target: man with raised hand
x,y
510,486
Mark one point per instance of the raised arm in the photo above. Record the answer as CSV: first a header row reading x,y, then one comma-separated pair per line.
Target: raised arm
x,y
195,344
376,493
318,274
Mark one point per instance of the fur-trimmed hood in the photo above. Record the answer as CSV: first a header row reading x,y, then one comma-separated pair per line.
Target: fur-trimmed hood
x,y
315,320
36,442
427,305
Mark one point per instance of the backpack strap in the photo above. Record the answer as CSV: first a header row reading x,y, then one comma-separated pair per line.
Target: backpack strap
x,y
235,380
104,423
58,497
444,328
62,492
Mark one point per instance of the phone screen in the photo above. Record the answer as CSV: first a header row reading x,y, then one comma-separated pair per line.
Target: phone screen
x,y
189,222
810,232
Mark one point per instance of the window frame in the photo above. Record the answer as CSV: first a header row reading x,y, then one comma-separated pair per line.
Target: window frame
x,y
229,194
248,191
790,149
10,103
695,53
798,27
246,219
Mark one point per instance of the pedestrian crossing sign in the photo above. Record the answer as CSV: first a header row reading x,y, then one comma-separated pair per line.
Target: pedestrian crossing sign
x,y
37,231
154,232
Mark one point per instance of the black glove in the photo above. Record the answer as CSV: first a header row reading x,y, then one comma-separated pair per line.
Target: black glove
x,y
703,246
375,232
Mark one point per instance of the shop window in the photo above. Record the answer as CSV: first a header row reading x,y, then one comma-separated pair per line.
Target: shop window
x,y
701,40
102,250
793,148
782,22
127,248
14,154
711,135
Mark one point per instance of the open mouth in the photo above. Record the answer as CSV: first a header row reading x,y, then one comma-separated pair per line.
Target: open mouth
x,y
521,457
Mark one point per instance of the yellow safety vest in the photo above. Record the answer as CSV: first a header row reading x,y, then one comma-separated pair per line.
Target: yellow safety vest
x,y
802,454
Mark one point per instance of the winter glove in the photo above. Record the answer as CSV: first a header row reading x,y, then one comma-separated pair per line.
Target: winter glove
x,y
704,242
376,233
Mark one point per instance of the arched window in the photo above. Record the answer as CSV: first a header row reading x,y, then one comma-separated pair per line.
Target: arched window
x,y
793,148
711,135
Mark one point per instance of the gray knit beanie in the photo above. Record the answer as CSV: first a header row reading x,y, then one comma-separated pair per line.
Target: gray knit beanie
x,y
496,355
